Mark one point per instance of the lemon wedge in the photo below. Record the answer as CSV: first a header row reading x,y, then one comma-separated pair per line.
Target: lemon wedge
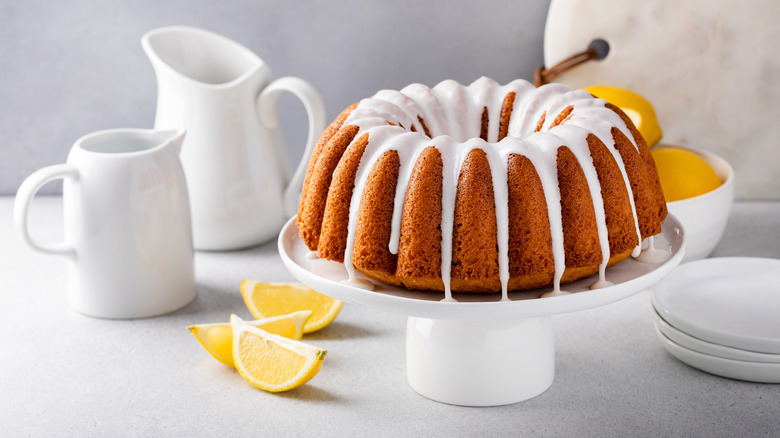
x,y
272,362
636,107
683,174
270,299
217,338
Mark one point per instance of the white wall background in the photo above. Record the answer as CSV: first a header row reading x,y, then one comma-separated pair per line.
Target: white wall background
x,y
68,68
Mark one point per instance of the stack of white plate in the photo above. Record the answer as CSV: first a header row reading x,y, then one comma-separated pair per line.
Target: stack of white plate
x,y
722,316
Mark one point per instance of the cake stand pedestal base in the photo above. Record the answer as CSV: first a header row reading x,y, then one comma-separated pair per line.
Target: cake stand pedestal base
x,y
480,363
479,350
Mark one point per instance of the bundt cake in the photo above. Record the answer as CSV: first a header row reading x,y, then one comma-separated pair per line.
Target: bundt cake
x,y
480,188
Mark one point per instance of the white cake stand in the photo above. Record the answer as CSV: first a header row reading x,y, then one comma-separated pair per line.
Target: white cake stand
x,y
480,351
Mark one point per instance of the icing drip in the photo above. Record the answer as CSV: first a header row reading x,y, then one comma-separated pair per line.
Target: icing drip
x,y
554,293
544,158
600,124
449,182
652,254
602,281
499,170
577,135
452,114
486,96
312,255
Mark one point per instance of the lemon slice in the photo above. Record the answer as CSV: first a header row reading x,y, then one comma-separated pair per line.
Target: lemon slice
x,y
636,107
270,299
217,338
683,174
272,362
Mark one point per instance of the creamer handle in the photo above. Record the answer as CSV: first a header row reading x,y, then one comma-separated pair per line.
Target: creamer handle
x,y
24,197
266,107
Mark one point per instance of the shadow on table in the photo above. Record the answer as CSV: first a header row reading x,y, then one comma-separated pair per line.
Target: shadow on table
x,y
340,330
310,392
213,303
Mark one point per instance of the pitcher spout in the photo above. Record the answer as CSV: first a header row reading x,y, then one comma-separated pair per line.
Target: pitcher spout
x,y
174,137
199,57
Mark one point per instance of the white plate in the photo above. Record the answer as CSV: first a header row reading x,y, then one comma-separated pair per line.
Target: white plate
x,y
629,277
705,347
734,369
727,301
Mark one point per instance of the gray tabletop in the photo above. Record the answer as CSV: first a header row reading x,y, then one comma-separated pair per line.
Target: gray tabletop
x,y
65,374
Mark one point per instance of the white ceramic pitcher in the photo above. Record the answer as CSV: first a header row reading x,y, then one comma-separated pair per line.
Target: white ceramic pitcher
x,y
128,235
241,185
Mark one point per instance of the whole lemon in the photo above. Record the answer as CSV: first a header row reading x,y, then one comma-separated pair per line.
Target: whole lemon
x,y
683,174
636,107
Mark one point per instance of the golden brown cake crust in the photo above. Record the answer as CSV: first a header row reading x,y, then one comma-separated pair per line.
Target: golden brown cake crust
x,y
617,205
506,113
530,244
474,251
371,253
325,158
333,239
419,249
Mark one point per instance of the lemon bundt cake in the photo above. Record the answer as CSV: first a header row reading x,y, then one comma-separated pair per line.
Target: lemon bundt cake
x,y
480,188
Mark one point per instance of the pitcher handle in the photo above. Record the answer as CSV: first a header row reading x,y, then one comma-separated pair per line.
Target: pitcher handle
x,y
24,197
315,109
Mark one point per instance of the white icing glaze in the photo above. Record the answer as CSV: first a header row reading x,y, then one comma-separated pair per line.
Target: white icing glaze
x,y
653,255
453,115
602,281
554,293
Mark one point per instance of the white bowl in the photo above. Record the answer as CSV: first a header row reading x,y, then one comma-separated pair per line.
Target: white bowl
x,y
704,217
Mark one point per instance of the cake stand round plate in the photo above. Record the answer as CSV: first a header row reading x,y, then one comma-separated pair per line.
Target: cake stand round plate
x,y
480,350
